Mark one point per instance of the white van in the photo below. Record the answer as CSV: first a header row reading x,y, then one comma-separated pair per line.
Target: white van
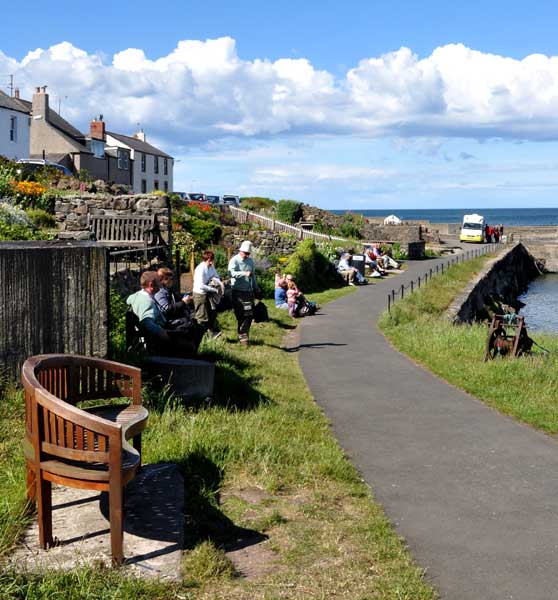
x,y
472,229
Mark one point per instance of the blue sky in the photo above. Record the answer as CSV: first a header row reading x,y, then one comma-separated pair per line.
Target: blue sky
x,y
343,105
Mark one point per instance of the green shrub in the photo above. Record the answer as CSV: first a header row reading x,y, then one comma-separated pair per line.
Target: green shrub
x,y
7,175
310,268
184,243
397,253
289,211
205,233
117,325
16,225
266,282
257,203
351,227
320,227
40,218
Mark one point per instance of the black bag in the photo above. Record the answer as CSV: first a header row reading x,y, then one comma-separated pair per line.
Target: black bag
x,y
260,313
247,308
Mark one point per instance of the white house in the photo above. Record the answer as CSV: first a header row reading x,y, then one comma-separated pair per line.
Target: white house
x,y
152,168
14,128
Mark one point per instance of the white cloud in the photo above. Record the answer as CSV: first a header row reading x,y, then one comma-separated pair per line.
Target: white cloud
x,y
203,91
311,175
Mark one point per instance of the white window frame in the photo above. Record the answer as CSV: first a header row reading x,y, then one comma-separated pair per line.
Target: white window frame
x,y
122,160
156,165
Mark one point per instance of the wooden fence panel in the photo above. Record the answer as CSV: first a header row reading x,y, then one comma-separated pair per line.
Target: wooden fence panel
x,y
54,299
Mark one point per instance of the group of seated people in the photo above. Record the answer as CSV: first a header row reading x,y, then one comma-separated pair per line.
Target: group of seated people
x,y
376,259
289,297
165,322
174,325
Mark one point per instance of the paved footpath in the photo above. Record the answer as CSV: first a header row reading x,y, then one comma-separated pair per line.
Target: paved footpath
x,y
474,493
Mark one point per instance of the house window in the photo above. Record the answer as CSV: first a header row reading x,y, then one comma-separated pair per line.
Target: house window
x,y
156,159
98,148
166,166
13,129
123,160
143,186
166,185
143,162
156,184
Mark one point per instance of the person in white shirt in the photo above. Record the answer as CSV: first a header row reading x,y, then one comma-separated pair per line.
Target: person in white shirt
x,y
205,312
348,272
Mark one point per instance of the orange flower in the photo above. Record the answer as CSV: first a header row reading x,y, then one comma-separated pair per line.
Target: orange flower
x,y
28,188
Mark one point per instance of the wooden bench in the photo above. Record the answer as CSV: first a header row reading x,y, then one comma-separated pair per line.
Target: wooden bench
x,y
77,447
125,231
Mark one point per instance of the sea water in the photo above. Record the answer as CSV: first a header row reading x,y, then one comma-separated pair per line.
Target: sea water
x,y
541,299
505,216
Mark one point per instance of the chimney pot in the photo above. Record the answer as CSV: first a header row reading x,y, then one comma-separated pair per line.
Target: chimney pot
x,y
16,93
40,103
97,129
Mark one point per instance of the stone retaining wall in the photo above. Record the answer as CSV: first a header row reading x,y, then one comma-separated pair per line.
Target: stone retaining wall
x,y
504,278
392,233
265,242
71,211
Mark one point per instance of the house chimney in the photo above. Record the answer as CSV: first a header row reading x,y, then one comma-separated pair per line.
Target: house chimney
x,y
97,128
140,135
16,93
40,103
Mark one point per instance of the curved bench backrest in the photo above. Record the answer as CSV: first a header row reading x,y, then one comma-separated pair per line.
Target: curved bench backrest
x,y
54,384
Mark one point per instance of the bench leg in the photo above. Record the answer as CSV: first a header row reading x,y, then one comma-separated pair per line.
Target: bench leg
x,y
31,484
44,509
116,507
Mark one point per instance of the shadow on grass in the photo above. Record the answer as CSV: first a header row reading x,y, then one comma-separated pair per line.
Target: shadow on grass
x,y
203,518
282,324
236,391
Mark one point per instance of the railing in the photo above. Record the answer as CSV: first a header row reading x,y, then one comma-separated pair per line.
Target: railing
x,y
135,258
399,293
245,216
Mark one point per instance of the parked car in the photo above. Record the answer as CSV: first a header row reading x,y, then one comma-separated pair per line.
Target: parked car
x,y
228,199
197,197
214,199
183,195
34,164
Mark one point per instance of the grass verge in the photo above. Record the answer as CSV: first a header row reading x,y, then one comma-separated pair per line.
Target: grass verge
x,y
524,388
263,474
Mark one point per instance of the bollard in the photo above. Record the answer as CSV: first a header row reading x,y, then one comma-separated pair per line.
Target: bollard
x,y
412,290
389,303
402,291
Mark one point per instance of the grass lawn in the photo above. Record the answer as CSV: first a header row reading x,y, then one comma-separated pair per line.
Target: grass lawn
x,y
524,388
260,463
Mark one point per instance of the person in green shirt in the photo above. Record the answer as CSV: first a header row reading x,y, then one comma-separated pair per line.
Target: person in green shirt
x,y
244,287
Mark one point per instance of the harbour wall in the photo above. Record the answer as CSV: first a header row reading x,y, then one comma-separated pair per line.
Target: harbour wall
x,y
501,281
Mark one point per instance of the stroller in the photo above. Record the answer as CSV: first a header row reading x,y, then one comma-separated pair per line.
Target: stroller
x,y
304,307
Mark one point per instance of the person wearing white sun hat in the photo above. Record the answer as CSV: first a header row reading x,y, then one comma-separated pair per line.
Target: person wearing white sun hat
x,y
244,287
